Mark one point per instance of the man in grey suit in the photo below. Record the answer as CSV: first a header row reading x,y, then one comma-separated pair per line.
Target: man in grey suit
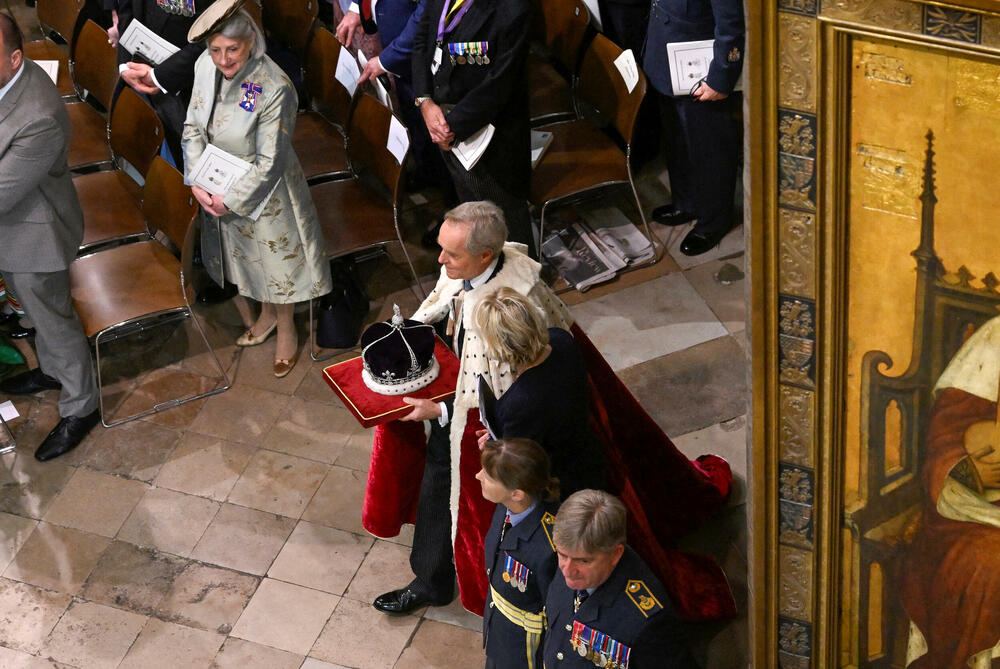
x,y
41,227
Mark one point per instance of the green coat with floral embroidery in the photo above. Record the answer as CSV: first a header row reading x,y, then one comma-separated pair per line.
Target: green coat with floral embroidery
x,y
276,256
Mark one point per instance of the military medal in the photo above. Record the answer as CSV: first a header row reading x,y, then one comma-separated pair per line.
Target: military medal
x,y
486,49
506,568
461,53
479,53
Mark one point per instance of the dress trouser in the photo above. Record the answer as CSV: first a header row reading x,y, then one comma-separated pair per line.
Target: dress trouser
x,y
62,348
171,109
702,152
432,553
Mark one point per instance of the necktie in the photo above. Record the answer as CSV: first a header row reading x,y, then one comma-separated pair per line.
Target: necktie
x,y
506,526
467,285
367,19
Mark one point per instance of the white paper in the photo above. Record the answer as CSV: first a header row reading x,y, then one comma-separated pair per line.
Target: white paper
x,y
471,150
8,411
347,71
140,40
216,170
51,68
398,141
436,61
628,68
540,140
689,63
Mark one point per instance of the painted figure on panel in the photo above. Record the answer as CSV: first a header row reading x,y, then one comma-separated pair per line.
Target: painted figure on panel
x,y
951,574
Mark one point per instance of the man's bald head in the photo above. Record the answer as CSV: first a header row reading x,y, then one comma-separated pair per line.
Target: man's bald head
x,y
10,34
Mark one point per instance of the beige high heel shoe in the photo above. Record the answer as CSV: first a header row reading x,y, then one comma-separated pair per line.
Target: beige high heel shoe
x,y
283,367
247,338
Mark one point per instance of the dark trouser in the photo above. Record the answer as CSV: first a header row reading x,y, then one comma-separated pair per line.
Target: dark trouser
x,y
432,555
424,152
702,151
624,23
171,109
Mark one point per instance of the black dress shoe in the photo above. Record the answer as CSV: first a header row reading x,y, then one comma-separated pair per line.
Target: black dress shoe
x,y
698,242
665,214
67,435
17,332
213,293
29,382
401,602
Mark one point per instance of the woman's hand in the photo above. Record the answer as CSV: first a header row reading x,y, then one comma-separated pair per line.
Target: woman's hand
x,y
218,207
210,203
483,436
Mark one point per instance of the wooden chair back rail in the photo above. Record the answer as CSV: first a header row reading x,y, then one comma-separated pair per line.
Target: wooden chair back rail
x,y
601,85
291,21
59,16
366,142
329,96
562,26
167,204
136,130
95,63
256,13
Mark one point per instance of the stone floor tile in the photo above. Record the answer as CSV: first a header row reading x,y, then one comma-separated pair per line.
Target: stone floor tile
x,y
727,440
726,300
93,636
285,616
57,558
15,659
730,245
455,614
136,450
206,597
163,644
314,388
404,538
14,531
379,646
644,322
168,521
278,483
256,368
204,466
240,654
320,557
39,414
337,502
357,452
226,416
133,578
95,502
243,539
386,567
28,486
313,663
311,430
692,389
161,385
28,614
445,646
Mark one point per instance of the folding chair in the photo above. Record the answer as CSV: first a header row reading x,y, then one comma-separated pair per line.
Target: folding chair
x,y
319,140
134,287
57,18
354,215
562,27
112,200
583,157
94,67
290,22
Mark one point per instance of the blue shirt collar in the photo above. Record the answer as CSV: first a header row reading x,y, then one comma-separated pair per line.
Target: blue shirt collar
x,y
10,84
516,518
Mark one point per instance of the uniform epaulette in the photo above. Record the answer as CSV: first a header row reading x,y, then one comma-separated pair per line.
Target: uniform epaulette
x,y
547,520
644,600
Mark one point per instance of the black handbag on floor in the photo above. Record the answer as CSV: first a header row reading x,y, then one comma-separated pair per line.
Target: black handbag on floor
x,y
342,311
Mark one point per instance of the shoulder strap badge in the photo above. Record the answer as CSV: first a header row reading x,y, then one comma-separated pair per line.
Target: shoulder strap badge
x,y
641,596
547,521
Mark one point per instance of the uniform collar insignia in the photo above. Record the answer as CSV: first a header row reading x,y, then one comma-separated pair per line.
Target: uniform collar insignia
x,y
547,520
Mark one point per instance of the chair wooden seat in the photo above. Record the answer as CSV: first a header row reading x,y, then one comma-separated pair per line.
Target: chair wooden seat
x,y
111,204
319,147
89,144
95,70
344,204
44,49
550,95
104,285
579,157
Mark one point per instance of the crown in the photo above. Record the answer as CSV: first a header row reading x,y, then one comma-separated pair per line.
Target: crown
x,y
397,356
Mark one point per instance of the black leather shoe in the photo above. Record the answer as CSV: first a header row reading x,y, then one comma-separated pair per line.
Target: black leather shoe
x,y
29,382
665,214
698,242
401,602
213,294
17,332
66,435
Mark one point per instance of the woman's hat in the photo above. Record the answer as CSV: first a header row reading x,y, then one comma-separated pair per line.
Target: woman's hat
x,y
218,13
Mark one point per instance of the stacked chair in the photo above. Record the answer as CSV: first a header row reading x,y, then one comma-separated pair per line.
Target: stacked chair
x,y
94,65
290,22
59,20
560,30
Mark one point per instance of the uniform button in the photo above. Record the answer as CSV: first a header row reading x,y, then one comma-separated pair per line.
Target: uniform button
x,y
487,570
491,605
559,655
569,628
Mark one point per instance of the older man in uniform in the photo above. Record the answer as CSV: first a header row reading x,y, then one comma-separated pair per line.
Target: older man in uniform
x,y
41,226
605,607
475,260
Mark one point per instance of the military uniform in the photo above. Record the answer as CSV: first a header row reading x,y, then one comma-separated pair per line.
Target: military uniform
x,y
520,568
628,622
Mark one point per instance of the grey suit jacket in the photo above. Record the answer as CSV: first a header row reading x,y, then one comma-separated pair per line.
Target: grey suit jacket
x,y
41,224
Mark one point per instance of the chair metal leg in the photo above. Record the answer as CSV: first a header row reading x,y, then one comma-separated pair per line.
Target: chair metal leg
x,y
312,338
7,442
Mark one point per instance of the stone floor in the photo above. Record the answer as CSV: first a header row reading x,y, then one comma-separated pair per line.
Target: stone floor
x,y
227,532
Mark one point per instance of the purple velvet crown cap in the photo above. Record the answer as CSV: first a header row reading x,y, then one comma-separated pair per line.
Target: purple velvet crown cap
x,y
398,356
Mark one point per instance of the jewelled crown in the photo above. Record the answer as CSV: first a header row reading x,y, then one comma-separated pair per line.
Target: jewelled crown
x,y
398,356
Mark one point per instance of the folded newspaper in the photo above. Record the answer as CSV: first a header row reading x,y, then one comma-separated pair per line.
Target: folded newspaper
x,y
596,249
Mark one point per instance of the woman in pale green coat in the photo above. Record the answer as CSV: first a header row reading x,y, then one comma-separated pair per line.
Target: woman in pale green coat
x,y
263,234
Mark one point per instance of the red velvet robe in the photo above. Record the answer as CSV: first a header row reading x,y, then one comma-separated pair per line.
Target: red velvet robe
x,y
951,570
645,469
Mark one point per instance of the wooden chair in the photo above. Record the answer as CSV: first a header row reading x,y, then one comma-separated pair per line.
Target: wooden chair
x,y
58,19
112,200
133,287
319,139
94,66
290,22
562,27
363,212
583,156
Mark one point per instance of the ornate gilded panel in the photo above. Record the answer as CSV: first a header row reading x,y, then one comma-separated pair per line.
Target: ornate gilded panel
x,y
990,33
797,160
797,340
807,7
951,24
796,433
797,65
798,246
795,495
891,14
794,643
795,593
